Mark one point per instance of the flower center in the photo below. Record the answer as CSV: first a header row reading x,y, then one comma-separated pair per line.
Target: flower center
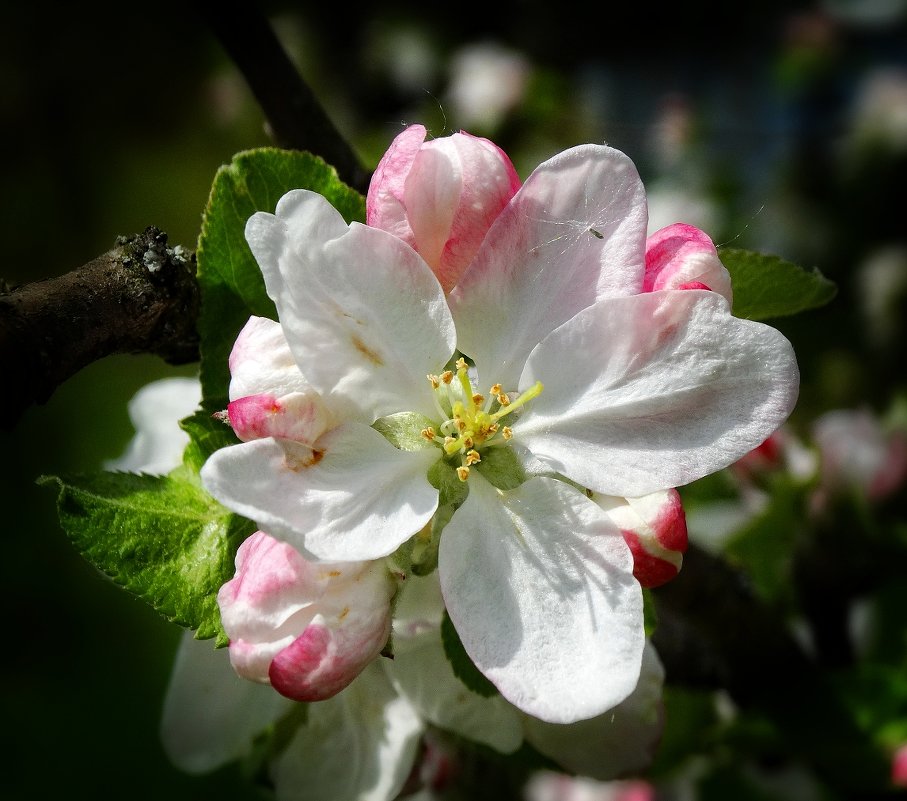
x,y
472,420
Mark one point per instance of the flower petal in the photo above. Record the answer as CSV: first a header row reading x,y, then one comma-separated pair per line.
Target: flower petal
x,y
620,742
456,188
422,672
353,497
385,202
539,585
574,232
364,315
359,745
673,388
211,715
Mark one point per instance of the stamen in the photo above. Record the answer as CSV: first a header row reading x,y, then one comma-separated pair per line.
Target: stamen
x,y
447,376
434,380
463,473
507,432
506,408
461,364
472,457
428,433
504,399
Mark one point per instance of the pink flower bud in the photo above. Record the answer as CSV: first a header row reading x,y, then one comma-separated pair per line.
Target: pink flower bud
x,y
655,528
683,257
269,397
441,196
899,767
306,628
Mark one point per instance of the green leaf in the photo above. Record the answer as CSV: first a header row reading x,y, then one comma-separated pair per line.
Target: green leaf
x,y
163,538
403,430
767,286
463,667
231,284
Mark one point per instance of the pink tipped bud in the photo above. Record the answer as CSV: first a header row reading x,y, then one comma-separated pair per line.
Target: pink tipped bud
x,y
655,528
306,628
899,767
441,196
300,416
683,257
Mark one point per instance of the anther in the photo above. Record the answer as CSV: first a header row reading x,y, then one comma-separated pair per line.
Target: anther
x,y
447,376
472,457
507,432
428,433
433,380
504,399
496,389
463,473
461,364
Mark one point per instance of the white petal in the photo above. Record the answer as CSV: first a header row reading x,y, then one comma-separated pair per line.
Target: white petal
x,y
422,672
539,585
620,742
359,745
654,391
155,411
211,715
356,498
573,233
364,315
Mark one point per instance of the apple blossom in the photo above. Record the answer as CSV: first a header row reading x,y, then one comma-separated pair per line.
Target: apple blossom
x,y
307,629
440,196
578,381
857,452
155,411
361,744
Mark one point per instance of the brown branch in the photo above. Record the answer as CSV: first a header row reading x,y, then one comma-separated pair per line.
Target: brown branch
x,y
296,118
139,297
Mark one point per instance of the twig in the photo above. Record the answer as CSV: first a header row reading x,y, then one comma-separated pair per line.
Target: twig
x,y
139,297
295,117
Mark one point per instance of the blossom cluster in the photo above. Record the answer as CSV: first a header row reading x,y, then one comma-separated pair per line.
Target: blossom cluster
x,y
477,406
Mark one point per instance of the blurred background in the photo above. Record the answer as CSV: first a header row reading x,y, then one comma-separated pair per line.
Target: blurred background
x,y
774,126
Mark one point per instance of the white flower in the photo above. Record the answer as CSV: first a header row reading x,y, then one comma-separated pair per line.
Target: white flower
x,y
579,381
155,411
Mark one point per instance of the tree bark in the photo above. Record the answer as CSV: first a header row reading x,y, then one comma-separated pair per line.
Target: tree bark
x,y
139,297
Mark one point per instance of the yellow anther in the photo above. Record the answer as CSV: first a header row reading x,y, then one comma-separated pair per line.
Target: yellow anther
x,y
504,399
447,376
478,399
428,433
467,442
461,424
507,432
496,389
434,380
472,457
461,364
463,473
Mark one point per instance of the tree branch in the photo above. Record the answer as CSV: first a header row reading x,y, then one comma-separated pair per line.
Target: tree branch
x,y
139,297
296,118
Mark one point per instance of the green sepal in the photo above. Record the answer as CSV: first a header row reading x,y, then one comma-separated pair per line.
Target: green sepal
x,y
403,430
463,667
162,538
231,283
501,468
767,286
